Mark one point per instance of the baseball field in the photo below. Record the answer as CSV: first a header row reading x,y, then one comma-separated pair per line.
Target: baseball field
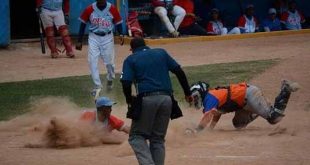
x,y
35,89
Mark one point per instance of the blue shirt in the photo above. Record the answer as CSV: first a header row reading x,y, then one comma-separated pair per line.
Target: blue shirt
x,y
149,70
210,102
273,25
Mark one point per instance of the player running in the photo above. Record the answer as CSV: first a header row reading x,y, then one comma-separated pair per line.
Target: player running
x,y
102,16
247,101
51,13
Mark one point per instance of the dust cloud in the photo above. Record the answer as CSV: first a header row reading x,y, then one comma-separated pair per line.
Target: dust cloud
x,y
53,122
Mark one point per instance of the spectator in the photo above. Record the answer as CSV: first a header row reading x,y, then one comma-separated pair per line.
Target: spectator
x,y
189,25
216,27
281,6
292,19
162,8
272,23
202,11
247,22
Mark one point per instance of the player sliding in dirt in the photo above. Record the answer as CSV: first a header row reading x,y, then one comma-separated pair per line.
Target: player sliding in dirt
x,y
103,115
247,101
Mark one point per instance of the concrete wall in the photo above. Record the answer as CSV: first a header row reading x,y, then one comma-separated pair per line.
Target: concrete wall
x,y
5,23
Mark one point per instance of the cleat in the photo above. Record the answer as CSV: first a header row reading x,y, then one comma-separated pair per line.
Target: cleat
x,y
175,34
291,86
96,93
54,55
70,55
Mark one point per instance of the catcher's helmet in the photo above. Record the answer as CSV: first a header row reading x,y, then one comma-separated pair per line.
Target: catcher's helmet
x,y
198,91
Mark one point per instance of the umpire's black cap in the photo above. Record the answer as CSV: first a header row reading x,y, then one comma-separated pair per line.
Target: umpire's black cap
x,y
136,43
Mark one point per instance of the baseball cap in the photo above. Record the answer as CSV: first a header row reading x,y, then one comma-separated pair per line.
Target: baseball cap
x,y
249,6
272,11
104,101
214,10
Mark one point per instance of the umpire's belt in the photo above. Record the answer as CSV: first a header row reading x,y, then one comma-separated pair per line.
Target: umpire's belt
x,y
102,34
154,93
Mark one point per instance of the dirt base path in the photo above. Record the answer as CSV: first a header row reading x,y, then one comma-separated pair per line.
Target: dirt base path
x,y
260,143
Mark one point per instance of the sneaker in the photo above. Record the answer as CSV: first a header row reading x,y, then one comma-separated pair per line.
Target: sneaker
x,y
96,93
54,54
291,86
175,34
109,84
70,55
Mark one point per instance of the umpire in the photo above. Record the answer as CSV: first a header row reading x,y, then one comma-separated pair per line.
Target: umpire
x,y
149,70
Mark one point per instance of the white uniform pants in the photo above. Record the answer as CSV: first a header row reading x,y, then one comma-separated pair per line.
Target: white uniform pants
x,y
103,47
49,18
177,11
232,31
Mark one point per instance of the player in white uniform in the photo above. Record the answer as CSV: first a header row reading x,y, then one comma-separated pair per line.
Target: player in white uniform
x,y
52,13
216,26
102,16
292,19
248,23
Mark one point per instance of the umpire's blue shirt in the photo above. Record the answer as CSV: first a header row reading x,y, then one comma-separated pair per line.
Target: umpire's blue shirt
x,y
149,69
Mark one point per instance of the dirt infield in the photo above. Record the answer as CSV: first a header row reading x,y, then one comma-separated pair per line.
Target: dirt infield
x,y
260,143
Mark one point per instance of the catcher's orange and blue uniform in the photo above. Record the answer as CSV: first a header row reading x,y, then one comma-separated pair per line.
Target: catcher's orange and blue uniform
x,y
248,102
245,100
217,98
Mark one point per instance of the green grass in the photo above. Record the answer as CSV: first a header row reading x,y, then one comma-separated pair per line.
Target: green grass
x,y
15,97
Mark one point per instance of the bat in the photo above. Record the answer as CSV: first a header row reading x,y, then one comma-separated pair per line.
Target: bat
x,y
41,36
122,40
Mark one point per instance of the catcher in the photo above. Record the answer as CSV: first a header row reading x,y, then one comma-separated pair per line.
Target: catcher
x,y
103,115
247,101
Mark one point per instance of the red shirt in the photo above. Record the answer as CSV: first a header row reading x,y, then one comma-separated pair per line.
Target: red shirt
x,y
113,121
188,6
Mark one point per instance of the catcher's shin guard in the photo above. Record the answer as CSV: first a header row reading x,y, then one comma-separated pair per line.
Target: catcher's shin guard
x,y
277,112
64,33
50,39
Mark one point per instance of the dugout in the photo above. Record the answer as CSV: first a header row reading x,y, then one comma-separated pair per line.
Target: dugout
x,y
230,10
18,19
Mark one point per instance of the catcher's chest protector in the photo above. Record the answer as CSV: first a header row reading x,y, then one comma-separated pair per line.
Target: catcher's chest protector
x,y
235,97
